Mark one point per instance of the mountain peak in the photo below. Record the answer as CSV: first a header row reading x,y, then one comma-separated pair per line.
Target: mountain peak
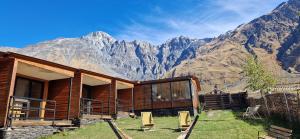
x,y
99,36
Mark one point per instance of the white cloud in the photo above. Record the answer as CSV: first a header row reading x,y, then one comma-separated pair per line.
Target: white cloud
x,y
218,17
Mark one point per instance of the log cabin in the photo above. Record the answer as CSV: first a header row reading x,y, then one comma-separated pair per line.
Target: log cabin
x,y
162,97
34,91
39,92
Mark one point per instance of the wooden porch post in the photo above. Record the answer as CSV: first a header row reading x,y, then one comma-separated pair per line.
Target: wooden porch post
x,y
69,99
114,96
44,97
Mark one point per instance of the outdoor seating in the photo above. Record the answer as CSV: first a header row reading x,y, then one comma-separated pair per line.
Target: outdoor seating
x,y
252,112
17,109
184,120
147,121
276,132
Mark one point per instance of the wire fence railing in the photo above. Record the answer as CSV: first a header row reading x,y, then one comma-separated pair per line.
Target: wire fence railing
x,y
93,107
23,108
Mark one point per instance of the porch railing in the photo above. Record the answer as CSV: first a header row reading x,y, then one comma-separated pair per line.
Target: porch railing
x,y
93,107
23,108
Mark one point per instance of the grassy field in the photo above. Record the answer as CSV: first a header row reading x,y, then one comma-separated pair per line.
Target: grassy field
x,y
99,130
213,124
225,125
165,128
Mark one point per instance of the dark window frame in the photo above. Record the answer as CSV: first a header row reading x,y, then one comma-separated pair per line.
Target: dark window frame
x,y
30,86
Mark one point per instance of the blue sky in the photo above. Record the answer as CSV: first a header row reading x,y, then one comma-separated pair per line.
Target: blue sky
x,y
24,22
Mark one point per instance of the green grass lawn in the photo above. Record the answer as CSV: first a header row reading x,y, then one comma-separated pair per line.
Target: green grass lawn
x,y
97,131
225,125
219,124
165,128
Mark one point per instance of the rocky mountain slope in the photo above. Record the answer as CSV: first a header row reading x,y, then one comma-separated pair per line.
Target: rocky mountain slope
x,y
274,38
98,51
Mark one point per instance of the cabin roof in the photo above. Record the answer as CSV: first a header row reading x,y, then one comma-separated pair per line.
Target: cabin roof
x,y
33,59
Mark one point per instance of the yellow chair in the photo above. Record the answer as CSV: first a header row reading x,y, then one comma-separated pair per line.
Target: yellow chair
x,y
147,121
184,120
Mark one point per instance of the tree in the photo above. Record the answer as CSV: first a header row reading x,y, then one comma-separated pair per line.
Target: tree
x,y
258,78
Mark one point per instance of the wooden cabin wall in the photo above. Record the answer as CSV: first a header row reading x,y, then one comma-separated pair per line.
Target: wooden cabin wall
x,y
59,91
142,97
125,99
6,80
75,96
181,103
101,93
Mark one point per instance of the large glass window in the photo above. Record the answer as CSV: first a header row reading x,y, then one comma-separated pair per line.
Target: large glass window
x,y
180,90
28,88
22,87
161,92
86,91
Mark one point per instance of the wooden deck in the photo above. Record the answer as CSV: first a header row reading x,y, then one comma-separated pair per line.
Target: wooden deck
x,y
16,123
87,116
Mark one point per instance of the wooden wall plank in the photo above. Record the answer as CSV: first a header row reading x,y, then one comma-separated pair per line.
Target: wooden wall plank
x,y
125,100
101,93
58,91
8,69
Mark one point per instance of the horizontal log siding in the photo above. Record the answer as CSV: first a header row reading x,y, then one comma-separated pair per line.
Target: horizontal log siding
x,y
6,70
162,104
142,97
125,100
101,93
59,91
182,103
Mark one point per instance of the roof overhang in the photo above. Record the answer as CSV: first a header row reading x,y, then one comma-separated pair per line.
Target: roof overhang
x,y
124,85
42,71
93,80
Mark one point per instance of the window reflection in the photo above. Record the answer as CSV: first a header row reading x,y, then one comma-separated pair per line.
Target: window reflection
x,y
180,90
161,92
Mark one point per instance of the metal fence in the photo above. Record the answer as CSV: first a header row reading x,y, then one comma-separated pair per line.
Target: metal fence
x,y
23,108
93,107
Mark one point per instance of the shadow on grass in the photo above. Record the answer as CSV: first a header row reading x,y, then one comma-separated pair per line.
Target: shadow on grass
x,y
212,120
133,129
173,129
266,122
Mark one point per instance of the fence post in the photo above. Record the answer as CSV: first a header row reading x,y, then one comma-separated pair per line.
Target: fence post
x,y
266,103
287,106
222,101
